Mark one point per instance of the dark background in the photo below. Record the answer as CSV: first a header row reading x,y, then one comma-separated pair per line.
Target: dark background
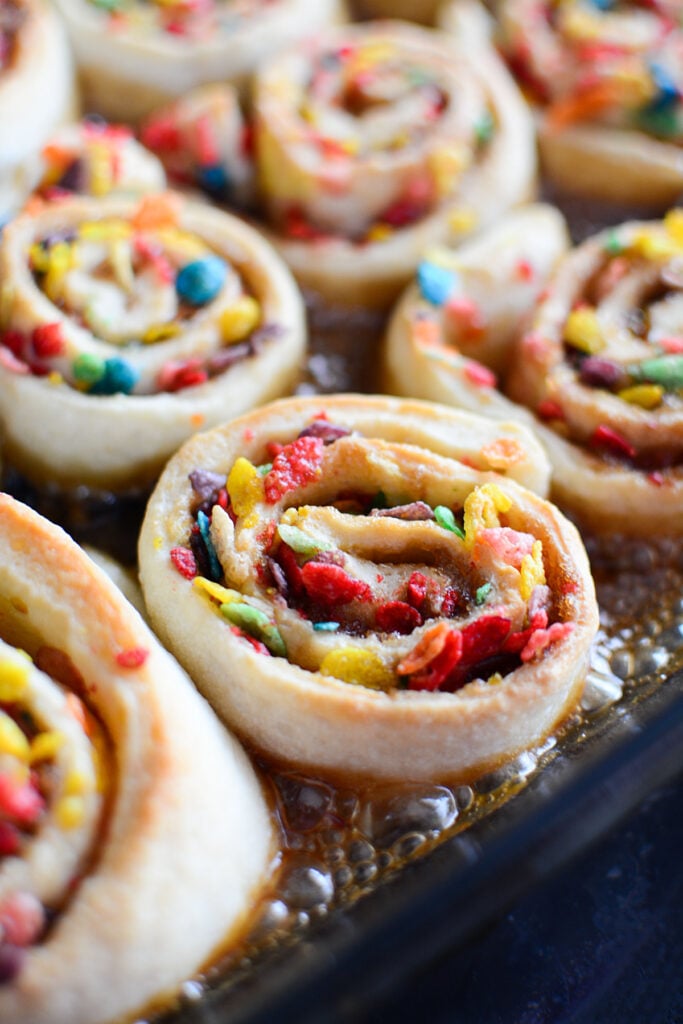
x,y
600,941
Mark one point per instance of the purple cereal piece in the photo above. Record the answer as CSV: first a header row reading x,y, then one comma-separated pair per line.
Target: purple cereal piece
x,y
328,432
205,483
417,511
11,962
601,373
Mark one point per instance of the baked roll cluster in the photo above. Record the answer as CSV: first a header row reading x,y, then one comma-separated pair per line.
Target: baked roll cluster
x,y
366,586
596,372
128,324
36,93
116,782
133,56
607,80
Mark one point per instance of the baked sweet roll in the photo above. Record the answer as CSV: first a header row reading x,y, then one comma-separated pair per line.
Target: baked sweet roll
x,y
133,56
365,586
379,140
116,780
36,93
204,142
597,373
94,158
602,367
128,324
607,81
452,334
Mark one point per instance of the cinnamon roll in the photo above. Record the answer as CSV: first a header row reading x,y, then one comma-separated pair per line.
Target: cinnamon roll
x,y
133,56
36,93
607,82
364,585
379,140
128,324
116,780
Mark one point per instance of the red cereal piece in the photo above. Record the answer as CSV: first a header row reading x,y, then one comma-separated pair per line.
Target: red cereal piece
x,y
329,585
297,464
441,666
466,316
15,342
524,270
22,918
542,638
611,441
185,562
549,409
417,589
259,647
289,565
397,617
134,657
483,638
273,448
22,803
450,601
480,375
10,840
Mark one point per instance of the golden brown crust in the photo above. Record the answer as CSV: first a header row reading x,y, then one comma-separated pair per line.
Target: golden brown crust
x,y
139,932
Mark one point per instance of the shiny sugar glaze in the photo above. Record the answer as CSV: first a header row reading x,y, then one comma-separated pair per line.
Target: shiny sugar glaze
x,y
341,841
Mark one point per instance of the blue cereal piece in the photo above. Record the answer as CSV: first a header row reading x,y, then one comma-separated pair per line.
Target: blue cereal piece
x,y
199,282
667,90
215,566
436,283
119,377
213,179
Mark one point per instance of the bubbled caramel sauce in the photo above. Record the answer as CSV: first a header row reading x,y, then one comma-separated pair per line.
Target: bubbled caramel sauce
x,y
340,841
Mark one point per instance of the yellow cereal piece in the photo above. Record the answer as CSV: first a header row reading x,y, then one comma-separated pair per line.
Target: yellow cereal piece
x,y
647,396
580,25
182,243
582,330
245,489
380,232
40,258
461,220
160,332
12,739
158,543
55,378
532,571
104,230
70,812
482,506
101,177
62,258
655,244
239,319
45,745
637,85
446,164
368,55
495,680
13,679
122,263
224,595
673,223
354,665
76,783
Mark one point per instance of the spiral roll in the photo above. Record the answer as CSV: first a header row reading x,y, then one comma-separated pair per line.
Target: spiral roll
x,y
36,93
593,363
602,368
378,141
368,588
116,780
94,158
607,79
128,324
133,56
